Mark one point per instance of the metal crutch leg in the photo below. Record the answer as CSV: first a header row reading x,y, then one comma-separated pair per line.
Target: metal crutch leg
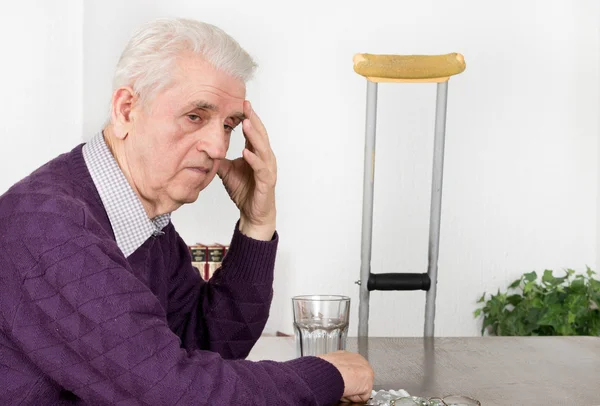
x,y
367,213
436,205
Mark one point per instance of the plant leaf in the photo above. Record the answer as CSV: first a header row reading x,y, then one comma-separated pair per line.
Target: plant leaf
x,y
515,284
548,277
549,280
514,299
551,317
528,287
530,276
578,285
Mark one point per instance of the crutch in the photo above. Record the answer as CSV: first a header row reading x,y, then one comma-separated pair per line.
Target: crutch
x,y
403,69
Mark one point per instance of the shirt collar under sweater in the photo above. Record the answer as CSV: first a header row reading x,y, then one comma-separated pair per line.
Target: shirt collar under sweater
x,y
127,216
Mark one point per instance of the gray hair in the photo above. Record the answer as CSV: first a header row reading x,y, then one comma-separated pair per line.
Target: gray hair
x,y
150,56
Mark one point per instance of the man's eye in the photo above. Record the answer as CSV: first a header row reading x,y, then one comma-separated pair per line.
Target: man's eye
x,y
194,117
228,128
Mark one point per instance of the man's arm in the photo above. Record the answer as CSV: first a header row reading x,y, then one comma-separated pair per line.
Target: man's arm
x,y
228,313
87,323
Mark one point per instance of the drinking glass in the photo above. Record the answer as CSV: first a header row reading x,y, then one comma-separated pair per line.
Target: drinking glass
x,y
320,323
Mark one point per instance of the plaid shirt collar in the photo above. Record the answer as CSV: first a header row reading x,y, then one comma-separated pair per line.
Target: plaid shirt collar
x,y
127,216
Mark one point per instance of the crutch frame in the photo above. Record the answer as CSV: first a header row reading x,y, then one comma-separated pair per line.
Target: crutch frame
x,y
403,69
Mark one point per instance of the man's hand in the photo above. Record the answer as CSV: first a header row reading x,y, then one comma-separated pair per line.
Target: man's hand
x,y
250,180
357,374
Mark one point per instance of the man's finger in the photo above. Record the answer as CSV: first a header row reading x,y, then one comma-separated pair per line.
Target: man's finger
x,y
253,160
258,143
248,145
263,174
254,119
257,140
257,124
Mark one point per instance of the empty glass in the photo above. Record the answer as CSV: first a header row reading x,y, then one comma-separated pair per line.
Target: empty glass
x,y
320,323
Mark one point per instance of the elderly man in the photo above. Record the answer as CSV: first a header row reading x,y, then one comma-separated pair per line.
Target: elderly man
x,y
100,303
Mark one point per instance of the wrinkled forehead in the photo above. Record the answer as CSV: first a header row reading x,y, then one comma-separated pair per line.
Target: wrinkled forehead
x,y
193,77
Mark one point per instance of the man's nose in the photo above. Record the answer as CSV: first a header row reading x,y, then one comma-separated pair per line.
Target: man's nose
x,y
214,143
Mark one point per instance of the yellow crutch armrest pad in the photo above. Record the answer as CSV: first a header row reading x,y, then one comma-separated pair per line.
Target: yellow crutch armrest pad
x,y
409,68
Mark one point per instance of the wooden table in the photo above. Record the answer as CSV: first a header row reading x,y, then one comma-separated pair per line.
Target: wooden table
x,y
498,371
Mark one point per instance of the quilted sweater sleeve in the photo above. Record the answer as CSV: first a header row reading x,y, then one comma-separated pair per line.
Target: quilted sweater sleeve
x,y
75,310
228,313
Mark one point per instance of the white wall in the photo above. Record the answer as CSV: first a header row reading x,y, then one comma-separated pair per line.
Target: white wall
x,y
521,175
40,83
598,196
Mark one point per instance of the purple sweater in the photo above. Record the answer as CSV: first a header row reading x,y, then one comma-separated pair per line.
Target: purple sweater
x,y
82,324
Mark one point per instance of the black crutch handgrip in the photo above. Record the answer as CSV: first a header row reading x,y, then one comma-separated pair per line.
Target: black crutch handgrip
x,y
399,281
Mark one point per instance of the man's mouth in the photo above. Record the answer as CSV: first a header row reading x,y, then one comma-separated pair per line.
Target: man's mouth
x,y
199,169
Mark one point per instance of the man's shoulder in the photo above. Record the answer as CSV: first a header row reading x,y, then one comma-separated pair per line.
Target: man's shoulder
x,y
53,211
50,185
58,193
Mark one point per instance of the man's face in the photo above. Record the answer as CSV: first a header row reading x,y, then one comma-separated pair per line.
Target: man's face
x,y
177,140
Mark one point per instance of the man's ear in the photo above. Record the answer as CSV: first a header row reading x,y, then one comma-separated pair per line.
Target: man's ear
x,y
122,103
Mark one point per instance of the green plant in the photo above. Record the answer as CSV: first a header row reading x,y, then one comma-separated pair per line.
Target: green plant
x,y
567,305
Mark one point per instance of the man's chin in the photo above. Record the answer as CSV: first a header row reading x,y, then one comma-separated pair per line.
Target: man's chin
x,y
189,198
186,194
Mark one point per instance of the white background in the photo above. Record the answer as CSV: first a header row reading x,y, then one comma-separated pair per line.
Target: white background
x,y
521,169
